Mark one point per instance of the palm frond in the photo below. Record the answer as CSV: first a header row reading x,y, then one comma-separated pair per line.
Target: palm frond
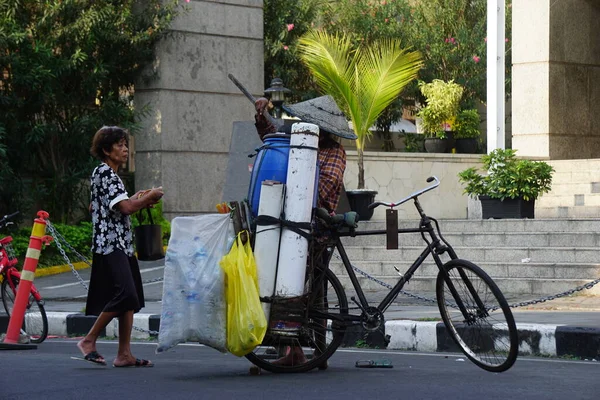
x,y
386,70
363,81
330,59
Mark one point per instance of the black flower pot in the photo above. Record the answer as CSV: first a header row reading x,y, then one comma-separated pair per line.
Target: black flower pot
x,y
148,242
507,208
359,202
437,145
466,146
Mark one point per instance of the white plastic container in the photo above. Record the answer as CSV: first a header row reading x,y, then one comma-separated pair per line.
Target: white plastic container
x,y
300,188
267,240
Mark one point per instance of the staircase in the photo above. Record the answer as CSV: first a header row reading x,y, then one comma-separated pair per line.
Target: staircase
x,y
524,257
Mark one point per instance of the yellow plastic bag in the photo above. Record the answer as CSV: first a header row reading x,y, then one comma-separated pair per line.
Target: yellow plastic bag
x,y
246,322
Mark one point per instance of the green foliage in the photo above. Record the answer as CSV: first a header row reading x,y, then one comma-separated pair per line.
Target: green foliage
x,y
368,21
284,23
78,236
156,216
467,125
413,143
388,116
443,99
451,34
508,177
363,81
67,67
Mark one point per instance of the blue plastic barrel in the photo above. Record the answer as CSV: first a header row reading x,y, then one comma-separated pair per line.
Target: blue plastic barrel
x,y
271,164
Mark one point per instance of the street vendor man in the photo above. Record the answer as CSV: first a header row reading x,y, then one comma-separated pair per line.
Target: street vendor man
x,y
323,112
331,156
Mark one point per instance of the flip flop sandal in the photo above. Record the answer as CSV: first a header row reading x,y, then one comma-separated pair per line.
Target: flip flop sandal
x,y
139,363
93,357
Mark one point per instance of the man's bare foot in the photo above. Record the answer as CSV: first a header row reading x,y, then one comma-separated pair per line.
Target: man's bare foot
x,y
293,356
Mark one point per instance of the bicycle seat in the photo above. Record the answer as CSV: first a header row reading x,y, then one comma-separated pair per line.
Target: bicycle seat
x,y
349,219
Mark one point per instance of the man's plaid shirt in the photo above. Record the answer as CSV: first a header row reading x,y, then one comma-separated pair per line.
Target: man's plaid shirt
x,y
332,164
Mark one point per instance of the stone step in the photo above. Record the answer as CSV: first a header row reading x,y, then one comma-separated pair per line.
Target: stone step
x,y
569,199
491,239
494,269
567,212
508,286
482,254
499,225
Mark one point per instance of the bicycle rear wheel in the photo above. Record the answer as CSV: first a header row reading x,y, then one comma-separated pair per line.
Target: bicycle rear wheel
x,y
487,335
35,321
316,338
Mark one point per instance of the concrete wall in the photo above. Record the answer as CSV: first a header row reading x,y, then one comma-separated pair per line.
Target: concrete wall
x,y
555,78
185,137
397,175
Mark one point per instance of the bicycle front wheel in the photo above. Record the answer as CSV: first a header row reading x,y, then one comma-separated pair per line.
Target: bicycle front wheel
x,y
316,338
35,322
485,328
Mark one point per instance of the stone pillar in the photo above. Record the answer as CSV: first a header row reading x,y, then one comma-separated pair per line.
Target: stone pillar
x,y
556,78
184,139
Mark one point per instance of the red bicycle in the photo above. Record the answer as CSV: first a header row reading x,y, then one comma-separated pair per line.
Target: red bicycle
x,y
35,323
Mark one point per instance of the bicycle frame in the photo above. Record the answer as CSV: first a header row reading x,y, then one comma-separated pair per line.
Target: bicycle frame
x,y
8,270
436,246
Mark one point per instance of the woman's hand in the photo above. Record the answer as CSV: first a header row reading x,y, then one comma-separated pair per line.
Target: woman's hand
x,y
155,194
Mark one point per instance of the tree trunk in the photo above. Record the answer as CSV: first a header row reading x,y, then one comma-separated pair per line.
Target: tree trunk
x,y
361,169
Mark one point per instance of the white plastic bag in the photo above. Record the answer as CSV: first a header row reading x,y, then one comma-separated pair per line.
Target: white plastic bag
x,y
193,302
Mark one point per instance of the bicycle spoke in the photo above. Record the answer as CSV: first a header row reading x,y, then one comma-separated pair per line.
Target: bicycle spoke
x,y
487,335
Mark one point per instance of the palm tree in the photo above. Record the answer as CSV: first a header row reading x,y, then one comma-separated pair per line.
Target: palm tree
x,y
362,81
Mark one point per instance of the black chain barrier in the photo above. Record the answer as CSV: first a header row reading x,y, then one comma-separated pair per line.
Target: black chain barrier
x,y
58,238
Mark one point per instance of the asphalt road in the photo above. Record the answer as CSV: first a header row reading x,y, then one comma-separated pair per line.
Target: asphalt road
x,y
193,371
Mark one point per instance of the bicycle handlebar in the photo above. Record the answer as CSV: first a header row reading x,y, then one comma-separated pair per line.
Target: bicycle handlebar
x,y
4,220
412,196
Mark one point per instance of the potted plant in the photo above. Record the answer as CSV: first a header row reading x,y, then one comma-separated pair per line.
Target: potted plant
x,y
363,81
466,131
437,116
511,185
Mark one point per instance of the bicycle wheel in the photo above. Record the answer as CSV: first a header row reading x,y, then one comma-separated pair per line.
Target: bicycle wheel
x,y
35,321
488,333
316,337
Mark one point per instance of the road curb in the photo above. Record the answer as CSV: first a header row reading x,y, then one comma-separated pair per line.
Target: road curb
x,y
534,339
59,269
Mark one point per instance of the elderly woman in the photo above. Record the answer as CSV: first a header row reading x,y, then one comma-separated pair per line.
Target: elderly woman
x,y
115,285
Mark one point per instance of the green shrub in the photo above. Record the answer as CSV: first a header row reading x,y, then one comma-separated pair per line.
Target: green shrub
x,y
508,177
466,125
78,236
443,99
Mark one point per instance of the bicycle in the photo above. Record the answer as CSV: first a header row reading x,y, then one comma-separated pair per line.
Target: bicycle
x,y
35,322
471,305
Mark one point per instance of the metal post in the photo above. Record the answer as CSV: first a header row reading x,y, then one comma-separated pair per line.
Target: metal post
x,y
495,74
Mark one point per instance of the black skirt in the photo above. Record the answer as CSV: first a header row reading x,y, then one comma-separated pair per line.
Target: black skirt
x,y
115,284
